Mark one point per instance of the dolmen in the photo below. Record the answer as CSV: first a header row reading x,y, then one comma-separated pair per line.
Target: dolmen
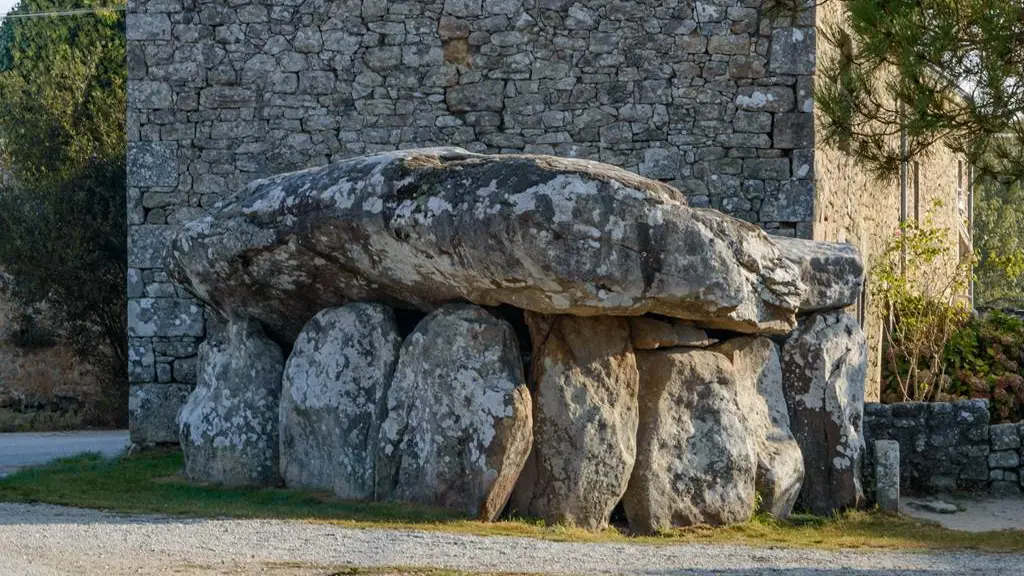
x,y
522,335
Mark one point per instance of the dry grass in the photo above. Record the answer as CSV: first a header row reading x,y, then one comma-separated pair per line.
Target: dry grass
x,y
151,483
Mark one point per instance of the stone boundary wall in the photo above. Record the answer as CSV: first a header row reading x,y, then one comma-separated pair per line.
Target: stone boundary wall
x,y
710,96
947,447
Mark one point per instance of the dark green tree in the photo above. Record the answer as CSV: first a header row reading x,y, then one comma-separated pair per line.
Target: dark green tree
x,y
939,71
62,212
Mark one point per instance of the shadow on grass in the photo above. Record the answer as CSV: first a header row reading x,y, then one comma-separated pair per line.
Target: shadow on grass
x,y
151,483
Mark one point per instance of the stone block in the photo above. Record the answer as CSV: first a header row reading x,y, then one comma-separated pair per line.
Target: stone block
x,y
136,287
766,98
147,243
184,370
661,163
766,168
909,409
152,164
752,122
1004,437
488,95
794,202
463,8
164,317
152,412
147,26
887,475
794,130
793,51
973,412
141,361
1004,459
227,97
149,95
877,410
1005,489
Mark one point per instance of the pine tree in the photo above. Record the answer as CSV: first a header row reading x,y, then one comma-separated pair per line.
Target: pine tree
x,y
939,71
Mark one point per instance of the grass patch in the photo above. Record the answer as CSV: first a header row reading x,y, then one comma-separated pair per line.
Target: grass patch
x,y
151,483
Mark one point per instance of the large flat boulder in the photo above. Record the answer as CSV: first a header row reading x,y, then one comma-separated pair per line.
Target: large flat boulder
x,y
458,427
696,454
549,235
824,364
334,397
228,426
585,419
780,464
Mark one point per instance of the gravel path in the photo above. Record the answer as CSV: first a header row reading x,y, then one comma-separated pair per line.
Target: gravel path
x,y
50,540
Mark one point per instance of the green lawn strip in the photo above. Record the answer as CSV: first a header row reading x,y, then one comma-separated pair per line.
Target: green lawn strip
x,y
151,483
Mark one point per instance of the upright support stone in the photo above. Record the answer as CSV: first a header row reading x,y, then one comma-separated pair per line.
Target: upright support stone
x,y
229,425
458,429
824,364
585,420
887,475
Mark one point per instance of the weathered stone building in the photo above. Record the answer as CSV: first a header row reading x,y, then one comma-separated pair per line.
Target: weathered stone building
x,y
713,97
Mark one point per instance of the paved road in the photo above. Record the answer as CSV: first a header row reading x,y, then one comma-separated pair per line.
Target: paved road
x,y
31,449
42,540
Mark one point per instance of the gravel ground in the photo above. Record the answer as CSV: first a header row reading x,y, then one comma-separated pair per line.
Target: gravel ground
x,y
50,540
977,515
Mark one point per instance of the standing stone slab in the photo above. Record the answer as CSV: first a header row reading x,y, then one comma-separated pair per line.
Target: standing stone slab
x,y
334,398
228,426
458,428
824,364
585,418
780,464
887,475
696,454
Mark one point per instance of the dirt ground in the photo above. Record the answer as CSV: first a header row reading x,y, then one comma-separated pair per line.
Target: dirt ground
x,y
976,515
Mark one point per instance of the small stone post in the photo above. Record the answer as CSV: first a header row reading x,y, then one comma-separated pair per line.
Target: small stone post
x,y
887,475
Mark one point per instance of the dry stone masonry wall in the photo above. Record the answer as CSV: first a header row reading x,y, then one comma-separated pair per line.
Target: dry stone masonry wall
x,y
710,96
948,447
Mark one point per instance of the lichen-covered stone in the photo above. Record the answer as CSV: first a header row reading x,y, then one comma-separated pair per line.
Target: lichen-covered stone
x,y
228,427
1004,436
824,364
696,454
585,419
545,234
887,475
832,272
458,427
334,397
780,464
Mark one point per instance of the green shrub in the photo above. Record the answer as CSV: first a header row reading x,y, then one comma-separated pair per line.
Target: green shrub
x,y
985,359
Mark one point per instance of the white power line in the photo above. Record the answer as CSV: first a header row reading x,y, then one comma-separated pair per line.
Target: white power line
x,y
74,12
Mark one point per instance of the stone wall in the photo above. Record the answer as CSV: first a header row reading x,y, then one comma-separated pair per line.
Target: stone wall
x,y
851,205
947,446
710,96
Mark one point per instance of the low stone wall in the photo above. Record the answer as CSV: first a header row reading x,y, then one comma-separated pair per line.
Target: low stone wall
x,y
947,446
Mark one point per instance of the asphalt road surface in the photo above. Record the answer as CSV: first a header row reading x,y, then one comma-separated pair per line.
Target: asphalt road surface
x,y
31,449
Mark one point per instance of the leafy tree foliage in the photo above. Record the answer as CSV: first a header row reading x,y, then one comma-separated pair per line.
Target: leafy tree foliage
x,y
62,214
999,243
942,70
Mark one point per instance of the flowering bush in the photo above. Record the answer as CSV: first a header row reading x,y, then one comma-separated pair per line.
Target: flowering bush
x,y
984,359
